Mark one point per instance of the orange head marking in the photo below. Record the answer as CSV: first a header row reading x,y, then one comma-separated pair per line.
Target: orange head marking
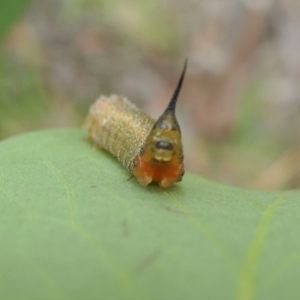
x,y
161,157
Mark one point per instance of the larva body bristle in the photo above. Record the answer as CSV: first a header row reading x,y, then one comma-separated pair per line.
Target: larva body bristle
x,y
118,126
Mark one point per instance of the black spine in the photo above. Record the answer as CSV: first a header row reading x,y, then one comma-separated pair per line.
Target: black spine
x,y
172,105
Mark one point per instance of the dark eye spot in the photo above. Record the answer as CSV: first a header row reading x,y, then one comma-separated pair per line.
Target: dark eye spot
x,y
164,145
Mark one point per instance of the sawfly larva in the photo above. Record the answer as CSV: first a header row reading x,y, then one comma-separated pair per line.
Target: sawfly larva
x,y
150,150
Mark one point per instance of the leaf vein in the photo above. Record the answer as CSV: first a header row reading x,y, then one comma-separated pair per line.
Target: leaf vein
x,y
247,284
124,278
215,240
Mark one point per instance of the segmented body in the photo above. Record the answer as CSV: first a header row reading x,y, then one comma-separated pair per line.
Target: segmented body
x,y
118,126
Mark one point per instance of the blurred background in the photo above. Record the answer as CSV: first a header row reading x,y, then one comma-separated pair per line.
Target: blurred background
x,y
239,107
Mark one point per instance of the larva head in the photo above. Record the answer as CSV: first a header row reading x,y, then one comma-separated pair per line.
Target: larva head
x,y
161,157
164,140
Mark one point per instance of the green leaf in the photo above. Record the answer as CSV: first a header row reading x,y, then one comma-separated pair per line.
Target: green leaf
x,y
10,11
73,227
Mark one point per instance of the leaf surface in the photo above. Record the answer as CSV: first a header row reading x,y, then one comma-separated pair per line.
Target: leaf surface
x,y
73,227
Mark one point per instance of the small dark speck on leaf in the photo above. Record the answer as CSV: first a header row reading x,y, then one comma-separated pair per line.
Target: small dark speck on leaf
x,y
148,260
175,211
93,186
125,230
129,178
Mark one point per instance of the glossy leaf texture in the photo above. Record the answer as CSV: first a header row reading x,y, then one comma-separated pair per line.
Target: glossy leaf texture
x,y
72,226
